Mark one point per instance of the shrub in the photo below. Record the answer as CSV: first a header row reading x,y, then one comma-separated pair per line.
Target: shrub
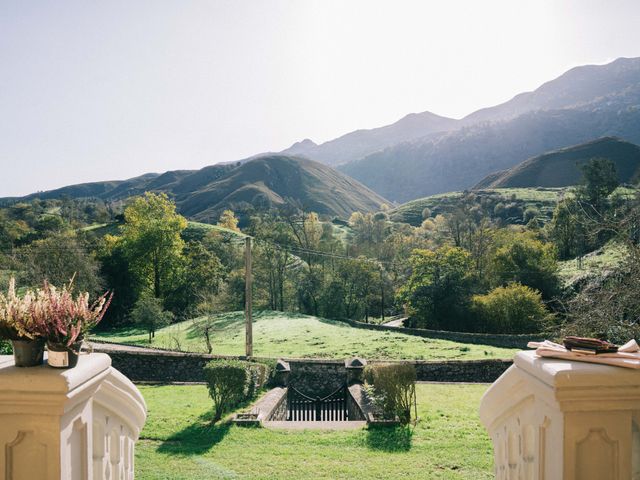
x,y
227,382
393,389
233,381
266,370
512,309
259,375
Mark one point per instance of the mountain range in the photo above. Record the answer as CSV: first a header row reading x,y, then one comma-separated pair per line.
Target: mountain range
x,y
420,155
583,104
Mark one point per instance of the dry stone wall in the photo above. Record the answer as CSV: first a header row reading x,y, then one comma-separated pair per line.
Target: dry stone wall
x,y
306,374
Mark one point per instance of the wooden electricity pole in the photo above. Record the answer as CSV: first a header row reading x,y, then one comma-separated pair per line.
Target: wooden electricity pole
x,y
247,298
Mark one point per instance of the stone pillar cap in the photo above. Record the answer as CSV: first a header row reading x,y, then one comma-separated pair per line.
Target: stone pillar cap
x,y
45,379
282,366
355,362
559,373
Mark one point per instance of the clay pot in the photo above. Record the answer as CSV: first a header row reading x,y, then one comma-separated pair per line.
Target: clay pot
x,y
28,353
61,356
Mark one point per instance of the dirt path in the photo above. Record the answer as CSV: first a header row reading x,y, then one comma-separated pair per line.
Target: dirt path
x,y
117,347
398,322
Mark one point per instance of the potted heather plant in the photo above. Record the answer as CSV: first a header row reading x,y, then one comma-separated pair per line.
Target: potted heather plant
x,y
17,326
65,321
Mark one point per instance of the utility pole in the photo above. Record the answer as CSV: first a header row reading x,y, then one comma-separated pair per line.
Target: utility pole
x,y
248,279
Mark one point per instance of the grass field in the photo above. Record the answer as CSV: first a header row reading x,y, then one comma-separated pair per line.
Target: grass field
x,y
609,256
278,334
178,443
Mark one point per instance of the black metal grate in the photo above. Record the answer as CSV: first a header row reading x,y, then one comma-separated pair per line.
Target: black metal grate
x,y
303,408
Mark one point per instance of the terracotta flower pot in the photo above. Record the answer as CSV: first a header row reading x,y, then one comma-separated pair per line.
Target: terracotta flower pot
x,y
61,356
28,353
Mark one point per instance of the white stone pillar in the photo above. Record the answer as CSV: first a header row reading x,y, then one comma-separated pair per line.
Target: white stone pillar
x,y
554,419
47,419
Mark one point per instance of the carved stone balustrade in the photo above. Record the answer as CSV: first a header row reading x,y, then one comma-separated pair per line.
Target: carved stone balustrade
x,y
554,419
75,424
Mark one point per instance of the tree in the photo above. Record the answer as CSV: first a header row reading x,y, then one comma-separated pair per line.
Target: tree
x,y
567,231
437,291
229,221
58,259
151,241
202,273
352,289
272,259
11,231
149,314
121,280
519,257
599,180
608,307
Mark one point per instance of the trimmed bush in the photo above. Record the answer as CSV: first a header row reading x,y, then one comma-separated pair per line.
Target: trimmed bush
x,y
393,389
233,381
512,309
227,382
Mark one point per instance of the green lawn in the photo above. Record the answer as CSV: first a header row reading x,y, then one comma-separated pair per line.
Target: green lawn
x,y
178,443
277,334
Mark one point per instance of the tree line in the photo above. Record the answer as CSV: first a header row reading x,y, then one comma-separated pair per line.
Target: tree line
x,y
463,270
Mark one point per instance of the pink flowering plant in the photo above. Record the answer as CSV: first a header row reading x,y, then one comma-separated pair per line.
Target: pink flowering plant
x,y
63,319
15,317
50,313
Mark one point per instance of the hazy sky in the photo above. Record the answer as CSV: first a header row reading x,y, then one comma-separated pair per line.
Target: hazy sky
x,y
96,90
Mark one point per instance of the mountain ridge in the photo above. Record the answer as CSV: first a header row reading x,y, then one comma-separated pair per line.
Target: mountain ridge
x,y
262,182
460,158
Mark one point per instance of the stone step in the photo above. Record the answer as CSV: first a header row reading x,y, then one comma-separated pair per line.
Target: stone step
x,y
348,425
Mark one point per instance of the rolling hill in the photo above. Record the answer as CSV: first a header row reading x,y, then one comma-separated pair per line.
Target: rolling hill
x,y
282,334
272,181
561,168
261,182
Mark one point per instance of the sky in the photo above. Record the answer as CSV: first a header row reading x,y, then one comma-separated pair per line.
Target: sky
x,y
97,90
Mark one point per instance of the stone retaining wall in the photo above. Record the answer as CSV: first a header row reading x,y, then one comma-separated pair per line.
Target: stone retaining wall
x,y
306,374
493,339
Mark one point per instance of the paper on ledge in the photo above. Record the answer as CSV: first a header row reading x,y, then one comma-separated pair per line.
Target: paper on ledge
x,y
627,356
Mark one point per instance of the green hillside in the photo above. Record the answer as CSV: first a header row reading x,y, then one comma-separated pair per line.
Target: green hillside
x,y
561,168
278,334
593,264
519,199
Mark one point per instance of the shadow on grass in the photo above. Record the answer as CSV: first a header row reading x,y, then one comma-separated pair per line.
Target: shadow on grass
x,y
202,435
389,439
197,438
119,332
